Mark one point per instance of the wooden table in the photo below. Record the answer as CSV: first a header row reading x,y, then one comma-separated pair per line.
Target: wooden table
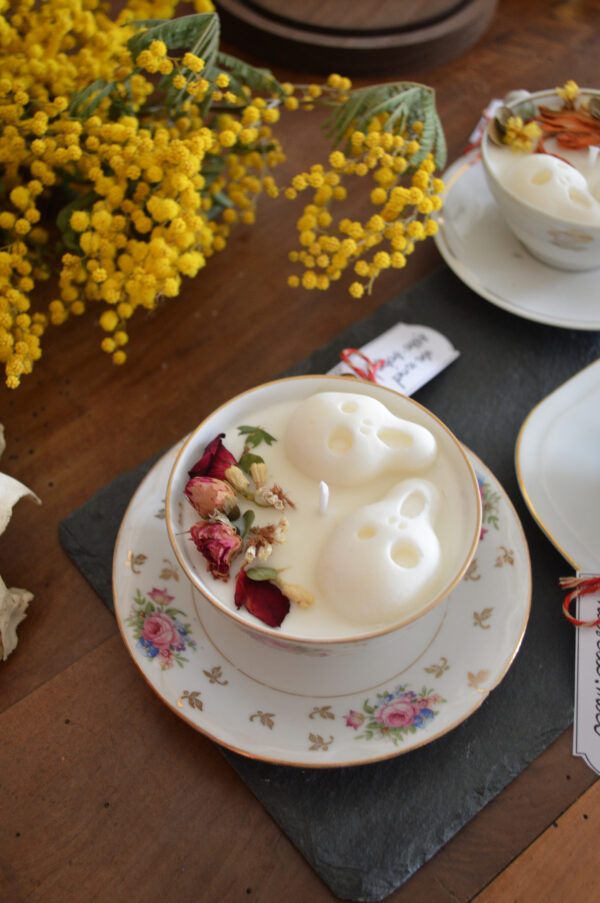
x,y
106,795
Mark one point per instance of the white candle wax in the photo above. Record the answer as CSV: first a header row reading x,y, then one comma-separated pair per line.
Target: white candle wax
x,y
569,190
379,561
323,497
347,439
309,530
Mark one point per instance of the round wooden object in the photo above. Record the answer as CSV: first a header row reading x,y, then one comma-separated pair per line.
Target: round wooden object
x,y
355,38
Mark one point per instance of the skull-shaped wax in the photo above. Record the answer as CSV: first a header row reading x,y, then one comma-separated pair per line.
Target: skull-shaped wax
x,y
554,186
379,562
347,439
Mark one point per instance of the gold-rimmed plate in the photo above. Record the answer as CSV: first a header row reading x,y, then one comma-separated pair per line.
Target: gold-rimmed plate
x,y
557,459
167,630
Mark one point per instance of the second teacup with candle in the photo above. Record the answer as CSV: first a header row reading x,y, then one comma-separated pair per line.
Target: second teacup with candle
x,y
549,196
373,513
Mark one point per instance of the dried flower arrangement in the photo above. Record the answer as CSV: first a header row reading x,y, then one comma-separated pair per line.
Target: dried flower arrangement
x,y
217,483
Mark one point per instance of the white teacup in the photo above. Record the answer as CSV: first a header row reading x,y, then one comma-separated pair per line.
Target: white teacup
x,y
383,649
568,242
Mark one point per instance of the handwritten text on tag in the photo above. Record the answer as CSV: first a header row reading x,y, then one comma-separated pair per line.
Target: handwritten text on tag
x,y
412,355
586,726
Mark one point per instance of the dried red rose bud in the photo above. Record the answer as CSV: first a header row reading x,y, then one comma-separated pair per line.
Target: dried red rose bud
x,y
215,460
261,598
219,543
208,494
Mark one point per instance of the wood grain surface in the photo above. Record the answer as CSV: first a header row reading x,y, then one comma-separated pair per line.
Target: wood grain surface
x,y
360,38
106,796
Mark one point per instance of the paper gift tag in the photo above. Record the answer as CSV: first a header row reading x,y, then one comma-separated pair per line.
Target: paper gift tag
x,y
586,724
411,355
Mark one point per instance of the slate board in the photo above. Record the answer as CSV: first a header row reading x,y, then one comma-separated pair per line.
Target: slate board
x,y
366,829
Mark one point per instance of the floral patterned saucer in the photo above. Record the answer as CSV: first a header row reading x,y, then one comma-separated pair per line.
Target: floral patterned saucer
x,y
168,631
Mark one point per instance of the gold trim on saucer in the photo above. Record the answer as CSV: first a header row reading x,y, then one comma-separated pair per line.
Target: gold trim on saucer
x,y
192,699
519,471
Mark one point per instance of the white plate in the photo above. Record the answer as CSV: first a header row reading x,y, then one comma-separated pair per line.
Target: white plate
x,y
558,467
475,242
197,677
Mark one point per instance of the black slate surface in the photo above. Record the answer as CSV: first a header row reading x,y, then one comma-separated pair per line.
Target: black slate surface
x,y
366,829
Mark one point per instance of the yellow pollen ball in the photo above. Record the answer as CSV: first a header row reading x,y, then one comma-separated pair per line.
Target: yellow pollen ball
x,y
19,196
109,320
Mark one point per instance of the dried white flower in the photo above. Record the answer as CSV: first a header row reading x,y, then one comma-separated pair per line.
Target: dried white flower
x,y
266,496
280,532
258,472
264,550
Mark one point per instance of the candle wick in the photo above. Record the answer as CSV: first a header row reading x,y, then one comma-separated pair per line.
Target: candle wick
x,y
323,497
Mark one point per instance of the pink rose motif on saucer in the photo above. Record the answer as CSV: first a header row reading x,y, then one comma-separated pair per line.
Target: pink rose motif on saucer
x,y
395,714
161,632
161,597
354,719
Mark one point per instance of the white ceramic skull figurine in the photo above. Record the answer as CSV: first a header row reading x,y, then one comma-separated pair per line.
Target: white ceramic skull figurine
x,y
346,439
379,562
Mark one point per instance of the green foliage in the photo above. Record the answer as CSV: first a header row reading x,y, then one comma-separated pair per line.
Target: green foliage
x,y
247,519
247,460
241,73
70,238
84,102
405,103
255,435
261,573
198,34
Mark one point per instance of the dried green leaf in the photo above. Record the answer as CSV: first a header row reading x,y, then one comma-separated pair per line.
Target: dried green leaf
x,y
248,519
255,435
247,460
261,573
